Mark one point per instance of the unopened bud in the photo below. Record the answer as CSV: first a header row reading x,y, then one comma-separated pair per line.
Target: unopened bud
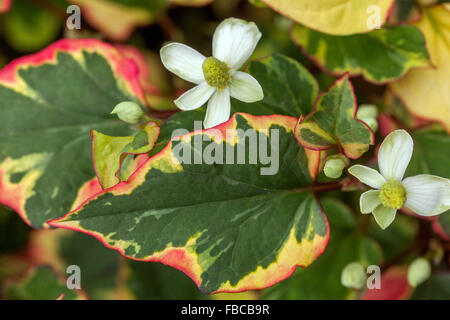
x,y
333,167
368,113
419,271
353,276
129,112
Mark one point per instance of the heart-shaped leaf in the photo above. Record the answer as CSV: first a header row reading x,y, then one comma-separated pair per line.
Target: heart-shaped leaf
x,y
380,56
229,225
333,123
340,17
49,102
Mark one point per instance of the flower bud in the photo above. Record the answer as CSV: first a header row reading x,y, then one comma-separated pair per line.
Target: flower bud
x,y
334,166
419,271
129,112
353,276
368,113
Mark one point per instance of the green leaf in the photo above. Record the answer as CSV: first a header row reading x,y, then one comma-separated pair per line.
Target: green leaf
x,y
41,283
380,56
229,227
49,103
29,27
333,123
110,152
289,88
322,280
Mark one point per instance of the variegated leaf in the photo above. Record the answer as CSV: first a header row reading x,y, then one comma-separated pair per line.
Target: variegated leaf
x,y
380,56
230,227
333,123
49,102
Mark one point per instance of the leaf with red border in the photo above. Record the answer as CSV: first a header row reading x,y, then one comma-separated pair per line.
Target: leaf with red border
x,y
49,102
333,123
229,226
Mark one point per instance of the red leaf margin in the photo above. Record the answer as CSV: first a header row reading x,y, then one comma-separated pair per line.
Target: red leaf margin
x,y
178,257
124,68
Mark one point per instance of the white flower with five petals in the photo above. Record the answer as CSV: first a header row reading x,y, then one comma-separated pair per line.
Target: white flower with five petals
x,y
424,194
217,77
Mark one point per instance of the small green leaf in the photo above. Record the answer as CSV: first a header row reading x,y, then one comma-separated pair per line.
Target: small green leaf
x,y
110,152
41,283
380,56
229,226
333,123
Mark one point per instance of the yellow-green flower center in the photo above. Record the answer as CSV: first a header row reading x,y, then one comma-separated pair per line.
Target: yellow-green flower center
x,y
393,194
216,72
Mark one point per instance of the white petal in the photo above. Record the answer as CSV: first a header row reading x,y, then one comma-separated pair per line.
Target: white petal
x,y
245,88
394,154
218,108
369,201
367,176
234,41
427,195
184,61
195,98
384,216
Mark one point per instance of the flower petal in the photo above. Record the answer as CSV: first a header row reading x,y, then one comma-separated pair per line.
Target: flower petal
x,y
394,154
218,108
234,41
384,216
367,176
369,201
184,61
195,97
245,88
427,195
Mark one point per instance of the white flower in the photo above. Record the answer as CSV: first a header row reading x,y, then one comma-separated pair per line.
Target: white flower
x,y
424,194
216,77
